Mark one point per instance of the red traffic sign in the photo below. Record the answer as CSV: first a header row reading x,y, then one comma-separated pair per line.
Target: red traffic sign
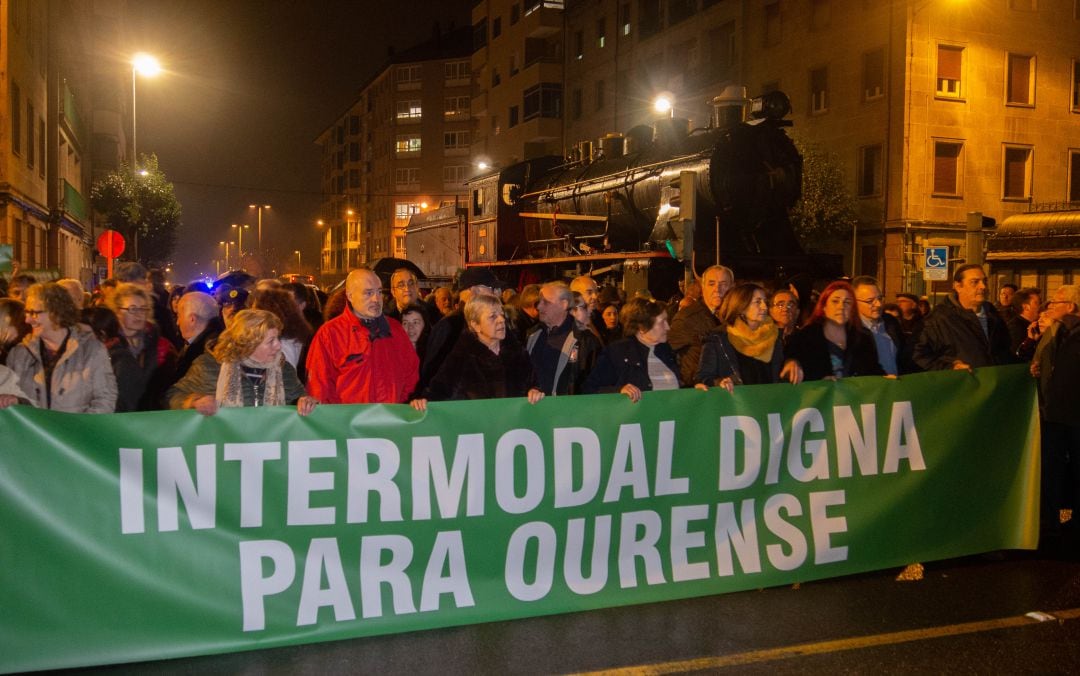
x,y
110,244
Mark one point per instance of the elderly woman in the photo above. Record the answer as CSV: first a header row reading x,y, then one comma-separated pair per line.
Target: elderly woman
x,y
643,360
153,353
483,364
60,365
833,344
245,367
13,326
746,348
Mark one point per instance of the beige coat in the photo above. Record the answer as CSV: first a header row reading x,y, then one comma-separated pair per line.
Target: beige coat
x,y
82,382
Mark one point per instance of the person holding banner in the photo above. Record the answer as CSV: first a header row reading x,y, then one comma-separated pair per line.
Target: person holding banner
x,y
833,344
245,367
61,365
484,363
642,361
10,392
13,326
746,349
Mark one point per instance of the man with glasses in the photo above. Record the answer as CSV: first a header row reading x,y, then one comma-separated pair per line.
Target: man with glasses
x,y
362,356
405,291
964,331
784,310
692,323
888,338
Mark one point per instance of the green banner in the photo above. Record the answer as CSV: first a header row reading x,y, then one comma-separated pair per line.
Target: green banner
x,y
146,536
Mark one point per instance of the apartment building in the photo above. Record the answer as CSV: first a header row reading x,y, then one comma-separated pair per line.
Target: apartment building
x,y
401,148
57,129
934,109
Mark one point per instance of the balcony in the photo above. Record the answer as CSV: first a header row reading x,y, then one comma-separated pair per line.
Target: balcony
x,y
543,18
74,203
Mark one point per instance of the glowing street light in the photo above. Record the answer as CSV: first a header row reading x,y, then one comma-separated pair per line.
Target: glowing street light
x,y
147,66
240,236
260,207
299,265
225,246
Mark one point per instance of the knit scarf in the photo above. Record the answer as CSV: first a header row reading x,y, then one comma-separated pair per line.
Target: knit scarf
x,y
230,383
758,343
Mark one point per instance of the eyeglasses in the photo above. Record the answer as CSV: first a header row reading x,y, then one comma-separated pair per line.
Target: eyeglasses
x,y
787,304
872,301
411,284
131,310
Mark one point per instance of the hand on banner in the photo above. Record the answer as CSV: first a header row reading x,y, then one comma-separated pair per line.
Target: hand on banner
x,y
631,391
306,405
206,404
534,395
419,404
961,365
792,372
8,400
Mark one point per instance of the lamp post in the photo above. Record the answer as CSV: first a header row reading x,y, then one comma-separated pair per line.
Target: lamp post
x,y
240,241
299,264
225,246
147,66
260,208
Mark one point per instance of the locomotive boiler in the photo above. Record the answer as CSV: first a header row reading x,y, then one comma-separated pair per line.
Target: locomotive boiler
x,y
642,203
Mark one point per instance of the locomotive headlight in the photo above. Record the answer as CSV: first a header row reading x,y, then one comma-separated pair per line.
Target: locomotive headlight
x,y
664,104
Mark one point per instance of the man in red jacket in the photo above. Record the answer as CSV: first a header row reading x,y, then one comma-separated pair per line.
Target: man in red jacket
x,y
361,356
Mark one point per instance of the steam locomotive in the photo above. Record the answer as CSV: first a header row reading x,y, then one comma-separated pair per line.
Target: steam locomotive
x,y
646,205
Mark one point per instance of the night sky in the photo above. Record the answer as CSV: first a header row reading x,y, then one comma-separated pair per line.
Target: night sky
x,y
248,86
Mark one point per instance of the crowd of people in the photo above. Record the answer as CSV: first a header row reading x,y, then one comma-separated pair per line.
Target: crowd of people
x,y
133,345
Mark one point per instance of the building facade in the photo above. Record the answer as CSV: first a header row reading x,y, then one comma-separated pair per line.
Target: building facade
x,y
933,109
401,148
63,105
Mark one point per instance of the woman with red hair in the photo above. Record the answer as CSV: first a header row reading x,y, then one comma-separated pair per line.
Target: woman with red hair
x,y
831,344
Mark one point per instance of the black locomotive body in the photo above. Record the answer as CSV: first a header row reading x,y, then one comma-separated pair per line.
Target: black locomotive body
x,y
639,205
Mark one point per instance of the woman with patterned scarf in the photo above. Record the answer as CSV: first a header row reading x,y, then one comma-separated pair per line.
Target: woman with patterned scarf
x,y
245,367
745,349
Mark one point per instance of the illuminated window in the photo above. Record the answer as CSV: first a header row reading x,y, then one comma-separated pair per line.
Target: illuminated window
x,y
579,45
408,111
1020,84
402,211
626,18
601,32
947,167
1016,173
950,61
869,171
819,90
407,143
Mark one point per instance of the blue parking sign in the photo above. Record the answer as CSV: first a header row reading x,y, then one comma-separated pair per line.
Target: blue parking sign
x,y
936,263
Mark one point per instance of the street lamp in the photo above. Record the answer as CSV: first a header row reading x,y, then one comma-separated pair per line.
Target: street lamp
x,y
299,265
225,246
147,66
240,237
664,104
260,207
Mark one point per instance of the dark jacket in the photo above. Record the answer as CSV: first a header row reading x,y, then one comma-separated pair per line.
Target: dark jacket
x,y
192,350
1062,383
570,366
904,344
720,359
625,362
951,333
156,368
688,329
440,342
473,371
810,348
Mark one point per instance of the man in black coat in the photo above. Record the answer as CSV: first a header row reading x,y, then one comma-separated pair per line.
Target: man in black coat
x,y
965,331
561,353
198,317
893,351
692,323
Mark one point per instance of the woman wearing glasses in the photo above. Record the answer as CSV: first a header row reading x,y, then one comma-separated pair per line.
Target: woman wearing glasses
x,y
153,353
746,349
60,364
832,344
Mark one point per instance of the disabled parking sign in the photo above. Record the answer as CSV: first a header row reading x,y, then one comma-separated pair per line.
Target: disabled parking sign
x,y
936,263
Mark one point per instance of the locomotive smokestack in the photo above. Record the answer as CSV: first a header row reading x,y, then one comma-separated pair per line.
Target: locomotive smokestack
x,y
729,108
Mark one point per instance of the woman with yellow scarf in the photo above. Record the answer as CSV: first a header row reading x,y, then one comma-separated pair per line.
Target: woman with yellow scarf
x,y
746,348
